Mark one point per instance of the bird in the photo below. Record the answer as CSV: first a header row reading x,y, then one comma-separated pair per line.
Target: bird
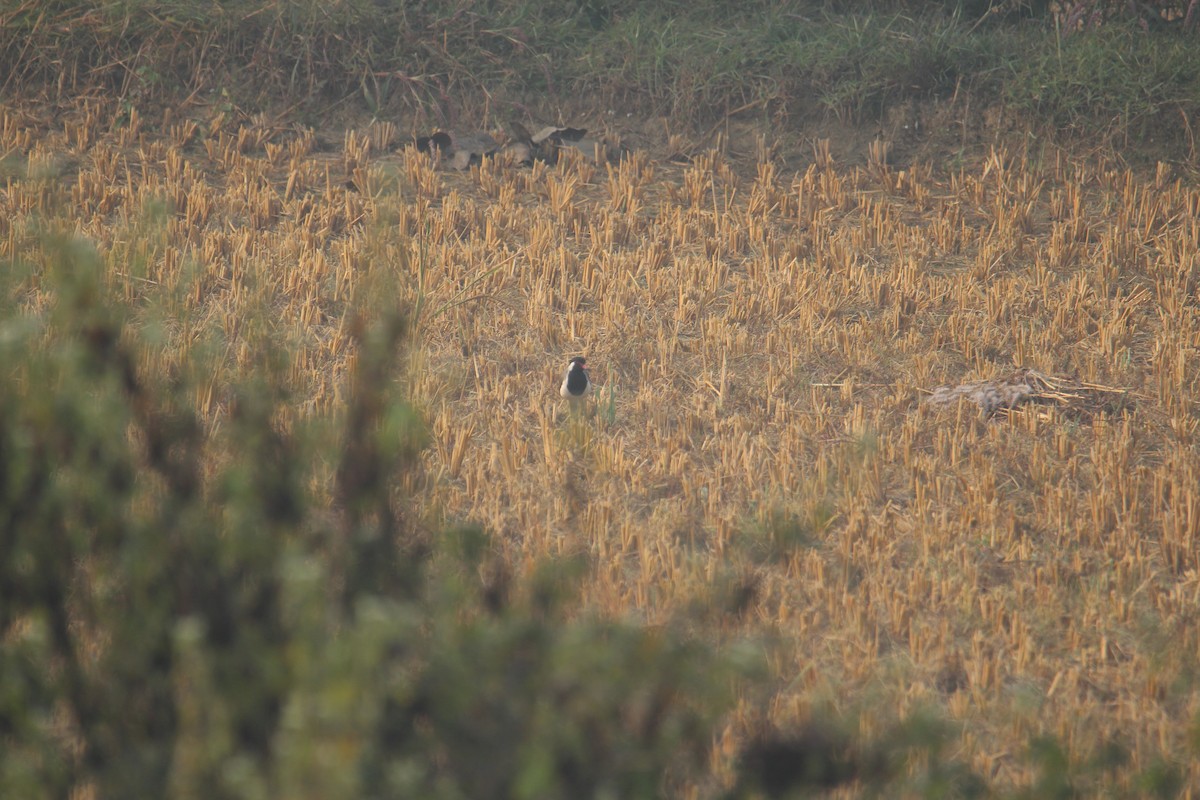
x,y
576,383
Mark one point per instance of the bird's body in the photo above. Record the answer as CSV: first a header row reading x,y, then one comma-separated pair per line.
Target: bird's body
x,y
576,384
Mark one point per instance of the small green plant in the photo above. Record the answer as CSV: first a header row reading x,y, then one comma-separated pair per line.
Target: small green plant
x,y
778,531
608,405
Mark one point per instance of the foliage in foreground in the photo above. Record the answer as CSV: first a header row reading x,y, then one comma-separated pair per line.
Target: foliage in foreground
x,y
179,618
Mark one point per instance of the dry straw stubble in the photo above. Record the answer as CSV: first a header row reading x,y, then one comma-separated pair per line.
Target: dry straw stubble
x,y
768,332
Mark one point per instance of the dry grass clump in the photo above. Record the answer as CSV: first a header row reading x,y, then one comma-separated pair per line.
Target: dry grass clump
x,y
1027,386
758,334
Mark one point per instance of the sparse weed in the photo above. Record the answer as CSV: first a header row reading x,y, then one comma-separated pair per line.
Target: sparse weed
x,y
608,405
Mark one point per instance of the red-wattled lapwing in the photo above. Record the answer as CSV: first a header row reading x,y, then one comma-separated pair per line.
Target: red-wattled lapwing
x,y
576,384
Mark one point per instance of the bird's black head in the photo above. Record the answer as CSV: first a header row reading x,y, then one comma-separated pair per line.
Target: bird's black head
x,y
580,360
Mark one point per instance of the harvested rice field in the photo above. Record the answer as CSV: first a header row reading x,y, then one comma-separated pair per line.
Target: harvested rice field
x,y
759,461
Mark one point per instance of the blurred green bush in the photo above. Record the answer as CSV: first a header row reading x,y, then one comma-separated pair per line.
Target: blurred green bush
x,y
181,619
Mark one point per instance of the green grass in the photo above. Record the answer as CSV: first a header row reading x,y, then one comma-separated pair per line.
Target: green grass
x,y
454,60
1113,77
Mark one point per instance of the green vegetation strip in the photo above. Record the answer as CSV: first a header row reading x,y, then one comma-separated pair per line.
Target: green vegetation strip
x,y
693,61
